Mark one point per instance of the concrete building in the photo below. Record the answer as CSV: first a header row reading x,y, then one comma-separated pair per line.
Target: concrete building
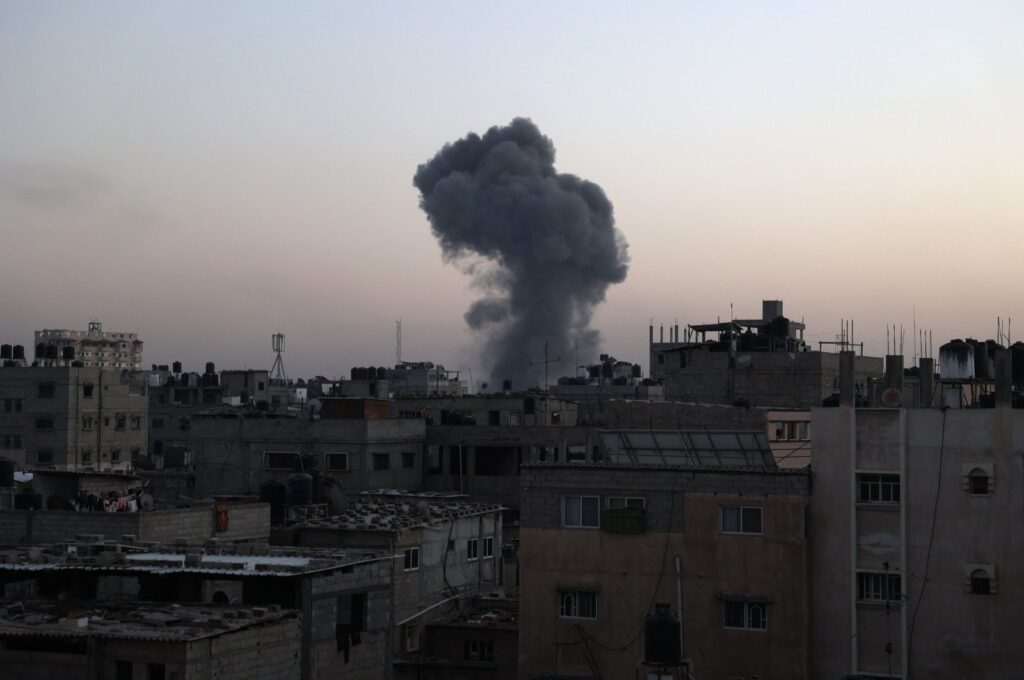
x,y
407,379
916,545
602,544
71,418
83,641
93,348
450,552
342,597
789,435
756,362
233,452
481,641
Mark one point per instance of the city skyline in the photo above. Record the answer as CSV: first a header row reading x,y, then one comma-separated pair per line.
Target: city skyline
x,y
207,176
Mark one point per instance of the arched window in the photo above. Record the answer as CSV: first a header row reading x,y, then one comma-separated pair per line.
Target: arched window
x,y
981,582
756,618
978,482
220,597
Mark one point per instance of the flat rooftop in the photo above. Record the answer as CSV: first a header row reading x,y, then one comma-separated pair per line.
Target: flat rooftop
x,y
387,514
135,621
241,559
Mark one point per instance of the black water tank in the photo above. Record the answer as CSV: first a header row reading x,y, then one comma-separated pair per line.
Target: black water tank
x,y
176,367
210,368
299,489
382,373
78,364
51,352
67,353
606,370
27,499
6,473
981,371
1017,355
594,371
6,352
273,493
19,352
637,371
40,351
506,385
662,646
353,372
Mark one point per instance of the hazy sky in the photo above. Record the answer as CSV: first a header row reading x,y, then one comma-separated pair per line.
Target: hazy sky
x,y
209,173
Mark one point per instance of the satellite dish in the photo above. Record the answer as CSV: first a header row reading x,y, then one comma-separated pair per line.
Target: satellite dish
x,y
892,398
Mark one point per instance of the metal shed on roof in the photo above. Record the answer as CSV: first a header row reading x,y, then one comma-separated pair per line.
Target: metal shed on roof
x,y
698,448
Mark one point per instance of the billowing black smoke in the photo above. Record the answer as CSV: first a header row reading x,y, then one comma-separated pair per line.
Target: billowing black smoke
x,y
550,239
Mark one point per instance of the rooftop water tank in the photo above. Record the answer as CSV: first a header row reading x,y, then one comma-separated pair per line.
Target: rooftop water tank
x,y
956,361
19,352
6,352
299,489
662,645
1017,356
6,473
27,499
176,367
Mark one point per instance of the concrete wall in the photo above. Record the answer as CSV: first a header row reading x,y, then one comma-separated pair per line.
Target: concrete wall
x,y
246,522
955,633
630,572
772,379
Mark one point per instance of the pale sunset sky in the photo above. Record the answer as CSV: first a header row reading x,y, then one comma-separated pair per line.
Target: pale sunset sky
x,y
206,174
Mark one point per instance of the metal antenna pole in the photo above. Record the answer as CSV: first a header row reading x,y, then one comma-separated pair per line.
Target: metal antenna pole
x,y
547,362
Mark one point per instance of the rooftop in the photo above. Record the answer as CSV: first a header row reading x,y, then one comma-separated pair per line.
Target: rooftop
x,y
384,513
698,448
135,621
214,558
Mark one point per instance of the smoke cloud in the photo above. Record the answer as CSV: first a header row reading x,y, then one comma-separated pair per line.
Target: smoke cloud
x,y
549,238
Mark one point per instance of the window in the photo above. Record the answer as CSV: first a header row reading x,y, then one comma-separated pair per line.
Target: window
x,y
136,422
878,488
46,391
7,441
515,418
8,405
124,670
617,502
156,671
472,545
381,461
336,461
45,423
17,405
741,519
577,604
977,482
411,633
17,441
478,650
87,390
408,459
119,422
411,559
87,423
576,453
44,457
488,547
981,584
778,430
158,423
581,512
494,417
115,455
280,460
801,430
878,587
556,417
744,615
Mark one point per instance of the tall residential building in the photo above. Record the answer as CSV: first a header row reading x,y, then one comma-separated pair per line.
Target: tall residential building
x,y
71,417
94,348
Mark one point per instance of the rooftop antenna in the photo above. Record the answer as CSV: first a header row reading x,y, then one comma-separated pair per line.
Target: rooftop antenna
x,y
277,373
398,343
547,362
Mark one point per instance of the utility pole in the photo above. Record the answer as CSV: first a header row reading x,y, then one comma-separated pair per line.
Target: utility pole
x,y
398,343
547,362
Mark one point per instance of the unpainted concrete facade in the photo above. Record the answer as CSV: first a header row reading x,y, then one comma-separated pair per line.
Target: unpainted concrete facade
x,y
629,572
71,418
932,538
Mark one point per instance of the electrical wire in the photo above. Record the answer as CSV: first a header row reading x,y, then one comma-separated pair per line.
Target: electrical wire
x,y
931,538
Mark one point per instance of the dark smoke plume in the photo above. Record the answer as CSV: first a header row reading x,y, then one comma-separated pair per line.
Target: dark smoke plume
x,y
550,239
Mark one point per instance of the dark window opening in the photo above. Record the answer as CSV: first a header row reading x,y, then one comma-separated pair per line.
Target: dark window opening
x,y
87,390
47,391
381,461
496,461
494,417
408,459
981,584
979,485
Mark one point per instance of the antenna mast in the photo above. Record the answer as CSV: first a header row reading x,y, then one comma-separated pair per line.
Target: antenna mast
x,y
547,362
277,373
398,343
